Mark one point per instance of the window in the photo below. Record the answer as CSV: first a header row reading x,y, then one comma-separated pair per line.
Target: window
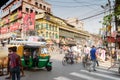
x,y
47,26
41,6
36,4
44,7
46,34
27,9
31,11
36,12
50,35
29,0
48,9
56,36
50,28
56,28
41,26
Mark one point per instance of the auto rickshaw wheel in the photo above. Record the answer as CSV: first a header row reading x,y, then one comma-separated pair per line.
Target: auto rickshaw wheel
x,y
119,70
49,68
1,70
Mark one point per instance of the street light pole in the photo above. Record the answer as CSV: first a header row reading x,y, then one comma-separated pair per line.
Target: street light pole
x,y
105,27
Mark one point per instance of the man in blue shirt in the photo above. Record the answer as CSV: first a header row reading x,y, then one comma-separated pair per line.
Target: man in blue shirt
x,y
93,57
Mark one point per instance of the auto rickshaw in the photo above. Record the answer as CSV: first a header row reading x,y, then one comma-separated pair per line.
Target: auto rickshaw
x,y
26,51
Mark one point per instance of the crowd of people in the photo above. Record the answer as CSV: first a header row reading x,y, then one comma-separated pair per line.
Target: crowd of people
x,y
95,54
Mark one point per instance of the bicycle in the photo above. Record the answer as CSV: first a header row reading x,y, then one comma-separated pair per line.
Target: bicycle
x,y
69,58
86,62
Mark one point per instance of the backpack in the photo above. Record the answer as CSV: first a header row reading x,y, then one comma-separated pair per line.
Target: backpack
x,y
14,60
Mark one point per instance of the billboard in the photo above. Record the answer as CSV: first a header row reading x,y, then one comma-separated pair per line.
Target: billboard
x,y
29,21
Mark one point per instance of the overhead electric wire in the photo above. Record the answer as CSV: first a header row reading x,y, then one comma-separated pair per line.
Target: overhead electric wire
x,y
73,6
84,2
69,2
94,15
85,5
91,12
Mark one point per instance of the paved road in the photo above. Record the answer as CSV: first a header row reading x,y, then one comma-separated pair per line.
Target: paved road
x,y
69,72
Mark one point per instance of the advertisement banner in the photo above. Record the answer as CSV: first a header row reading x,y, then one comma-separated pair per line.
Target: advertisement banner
x,y
4,30
118,39
110,39
14,27
15,16
29,21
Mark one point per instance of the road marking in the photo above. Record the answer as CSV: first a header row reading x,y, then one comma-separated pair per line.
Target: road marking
x,y
83,76
62,78
101,75
100,70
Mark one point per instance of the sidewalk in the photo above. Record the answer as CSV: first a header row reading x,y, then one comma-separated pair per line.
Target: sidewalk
x,y
105,64
108,65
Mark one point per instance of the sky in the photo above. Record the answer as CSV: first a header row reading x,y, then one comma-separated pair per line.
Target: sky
x,y
81,9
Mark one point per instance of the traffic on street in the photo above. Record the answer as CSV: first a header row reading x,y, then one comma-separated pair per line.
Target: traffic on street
x,y
59,39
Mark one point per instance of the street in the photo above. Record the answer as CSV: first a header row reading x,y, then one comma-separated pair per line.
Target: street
x,y
69,72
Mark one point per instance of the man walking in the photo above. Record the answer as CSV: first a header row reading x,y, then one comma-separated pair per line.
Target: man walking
x,y
14,63
93,56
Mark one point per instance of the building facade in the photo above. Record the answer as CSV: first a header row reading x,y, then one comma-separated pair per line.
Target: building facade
x,y
24,18
76,23
57,30
13,13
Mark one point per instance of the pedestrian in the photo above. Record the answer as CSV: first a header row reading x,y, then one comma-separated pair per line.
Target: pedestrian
x,y
97,53
93,57
14,63
86,52
103,52
35,57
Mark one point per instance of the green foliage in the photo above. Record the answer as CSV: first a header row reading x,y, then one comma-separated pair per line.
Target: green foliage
x,y
107,19
117,10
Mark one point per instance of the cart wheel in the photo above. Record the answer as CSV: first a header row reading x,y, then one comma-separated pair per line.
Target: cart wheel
x,y
49,68
119,70
1,73
1,70
64,62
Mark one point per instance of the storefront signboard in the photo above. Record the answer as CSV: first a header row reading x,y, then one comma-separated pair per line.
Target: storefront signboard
x,y
4,30
14,27
16,5
8,2
15,16
4,13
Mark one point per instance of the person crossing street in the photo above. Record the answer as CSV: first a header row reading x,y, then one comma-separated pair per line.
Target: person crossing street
x,y
93,57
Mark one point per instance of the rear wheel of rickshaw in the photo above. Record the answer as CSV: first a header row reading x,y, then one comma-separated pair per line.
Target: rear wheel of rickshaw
x,y
64,62
1,70
119,70
49,68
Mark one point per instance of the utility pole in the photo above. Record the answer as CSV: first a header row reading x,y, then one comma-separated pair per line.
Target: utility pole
x,y
110,45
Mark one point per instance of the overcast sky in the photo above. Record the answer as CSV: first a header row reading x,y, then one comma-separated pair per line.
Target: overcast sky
x,y
81,9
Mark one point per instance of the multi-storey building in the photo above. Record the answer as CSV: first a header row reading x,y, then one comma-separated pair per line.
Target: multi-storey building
x,y
19,19
55,29
76,23
14,13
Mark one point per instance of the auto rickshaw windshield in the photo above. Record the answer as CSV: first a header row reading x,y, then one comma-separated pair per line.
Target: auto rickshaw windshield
x,y
44,51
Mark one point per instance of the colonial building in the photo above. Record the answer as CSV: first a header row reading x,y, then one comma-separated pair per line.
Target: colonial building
x,y
76,23
24,18
55,29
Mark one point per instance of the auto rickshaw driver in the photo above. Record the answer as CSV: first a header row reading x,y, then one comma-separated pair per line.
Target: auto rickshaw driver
x,y
35,57
26,56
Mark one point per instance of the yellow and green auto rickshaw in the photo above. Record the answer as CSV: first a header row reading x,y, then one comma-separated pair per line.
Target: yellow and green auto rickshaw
x,y
26,50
